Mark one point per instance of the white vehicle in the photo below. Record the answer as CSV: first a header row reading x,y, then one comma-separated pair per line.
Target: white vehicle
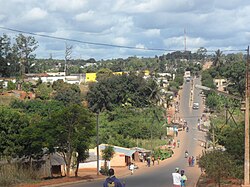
x,y
188,79
187,74
196,106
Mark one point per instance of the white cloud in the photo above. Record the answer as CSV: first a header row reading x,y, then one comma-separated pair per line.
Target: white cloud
x,y
35,14
2,17
141,46
140,23
85,16
66,5
192,43
120,41
152,32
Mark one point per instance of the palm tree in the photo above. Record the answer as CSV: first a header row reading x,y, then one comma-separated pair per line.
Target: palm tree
x,y
218,58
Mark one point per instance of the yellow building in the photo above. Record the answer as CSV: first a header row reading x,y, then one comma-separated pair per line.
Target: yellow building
x,y
90,77
118,73
146,72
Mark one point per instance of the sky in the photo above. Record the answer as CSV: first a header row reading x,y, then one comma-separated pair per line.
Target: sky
x,y
143,24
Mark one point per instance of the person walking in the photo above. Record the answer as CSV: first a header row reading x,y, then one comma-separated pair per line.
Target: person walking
x,y
148,161
153,160
178,143
192,160
174,144
132,168
158,160
186,154
112,181
176,178
183,178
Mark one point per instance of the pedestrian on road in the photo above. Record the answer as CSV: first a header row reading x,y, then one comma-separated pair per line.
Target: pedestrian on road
x,y
178,143
183,178
174,144
153,160
190,161
176,178
176,131
193,160
158,160
148,161
132,168
145,157
112,181
186,154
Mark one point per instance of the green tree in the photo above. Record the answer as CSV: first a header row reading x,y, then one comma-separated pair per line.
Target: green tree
x,y
119,90
218,61
201,52
107,154
43,91
74,125
27,86
25,46
207,80
235,73
67,93
5,56
217,165
33,140
42,108
213,101
232,138
103,73
11,85
12,123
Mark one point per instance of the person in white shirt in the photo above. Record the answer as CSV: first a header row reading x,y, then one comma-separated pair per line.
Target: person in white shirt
x,y
176,178
132,168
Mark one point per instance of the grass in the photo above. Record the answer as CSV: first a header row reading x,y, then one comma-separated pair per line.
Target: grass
x,y
11,174
146,144
6,100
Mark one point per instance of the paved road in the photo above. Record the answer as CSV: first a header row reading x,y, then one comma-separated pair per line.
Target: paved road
x,y
160,176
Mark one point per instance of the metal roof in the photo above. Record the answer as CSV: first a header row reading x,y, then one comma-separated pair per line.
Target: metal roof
x,y
126,151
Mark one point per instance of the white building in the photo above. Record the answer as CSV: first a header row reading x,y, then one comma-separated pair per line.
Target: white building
x,y
52,77
221,84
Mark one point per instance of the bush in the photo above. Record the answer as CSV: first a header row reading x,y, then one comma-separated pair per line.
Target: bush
x,y
104,171
217,165
163,154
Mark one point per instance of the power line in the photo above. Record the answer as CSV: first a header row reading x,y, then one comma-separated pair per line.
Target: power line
x,y
109,45
86,42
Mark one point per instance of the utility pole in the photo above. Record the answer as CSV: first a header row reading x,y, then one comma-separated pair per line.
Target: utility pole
x,y
97,142
246,158
185,40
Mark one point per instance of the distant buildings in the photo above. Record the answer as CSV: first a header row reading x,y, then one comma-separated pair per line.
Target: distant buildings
x,y
221,84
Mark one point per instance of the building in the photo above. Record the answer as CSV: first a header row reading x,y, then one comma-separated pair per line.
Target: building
x,y
221,84
121,158
52,77
90,77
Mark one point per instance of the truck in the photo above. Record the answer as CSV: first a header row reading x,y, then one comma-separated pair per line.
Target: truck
x,y
187,76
